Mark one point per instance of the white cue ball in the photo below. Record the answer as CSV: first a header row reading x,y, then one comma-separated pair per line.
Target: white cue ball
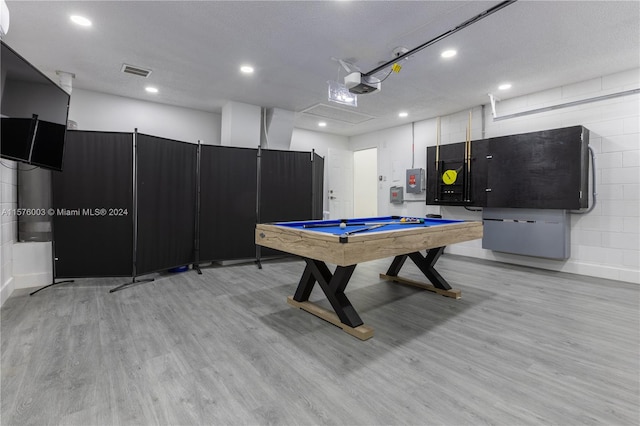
x,y
343,225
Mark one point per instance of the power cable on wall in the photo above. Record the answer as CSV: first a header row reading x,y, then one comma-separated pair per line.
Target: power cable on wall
x,y
593,184
413,158
413,145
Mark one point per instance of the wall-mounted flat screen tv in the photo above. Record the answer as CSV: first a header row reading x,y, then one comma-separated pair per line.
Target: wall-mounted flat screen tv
x,y
48,145
34,113
16,137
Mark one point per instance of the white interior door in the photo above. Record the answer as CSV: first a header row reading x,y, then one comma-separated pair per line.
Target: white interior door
x,y
340,183
365,183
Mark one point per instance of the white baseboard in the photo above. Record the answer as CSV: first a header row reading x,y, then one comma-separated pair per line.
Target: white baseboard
x,y
32,280
6,290
570,266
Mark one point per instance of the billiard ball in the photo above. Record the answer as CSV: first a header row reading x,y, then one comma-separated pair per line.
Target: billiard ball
x,y
343,225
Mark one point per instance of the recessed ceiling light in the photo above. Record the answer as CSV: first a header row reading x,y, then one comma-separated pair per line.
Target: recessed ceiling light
x,y
80,20
322,124
504,86
403,114
151,89
449,53
246,69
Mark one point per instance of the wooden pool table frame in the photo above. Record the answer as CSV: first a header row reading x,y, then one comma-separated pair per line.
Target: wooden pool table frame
x,y
320,248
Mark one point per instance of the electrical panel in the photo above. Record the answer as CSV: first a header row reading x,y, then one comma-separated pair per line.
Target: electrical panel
x,y
415,181
396,195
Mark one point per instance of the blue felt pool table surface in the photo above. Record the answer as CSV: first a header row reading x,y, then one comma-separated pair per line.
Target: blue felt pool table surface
x,y
364,223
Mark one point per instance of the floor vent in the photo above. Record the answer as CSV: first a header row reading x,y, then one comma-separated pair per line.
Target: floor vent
x,y
130,69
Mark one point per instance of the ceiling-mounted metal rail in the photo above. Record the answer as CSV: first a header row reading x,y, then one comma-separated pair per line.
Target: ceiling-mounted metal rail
x,y
442,36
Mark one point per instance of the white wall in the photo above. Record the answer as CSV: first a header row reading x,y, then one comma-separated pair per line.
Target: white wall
x,y
8,226
279,127
32,264
604,243
307,140
102,112
241,125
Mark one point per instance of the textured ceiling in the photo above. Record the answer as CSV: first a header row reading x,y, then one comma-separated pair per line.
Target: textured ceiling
x,y
196,47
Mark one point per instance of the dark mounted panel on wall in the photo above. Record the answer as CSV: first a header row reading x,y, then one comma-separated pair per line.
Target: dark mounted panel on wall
x,y
539,170
447,191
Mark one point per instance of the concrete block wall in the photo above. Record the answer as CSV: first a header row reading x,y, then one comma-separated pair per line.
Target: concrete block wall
x,y
8,225
605,242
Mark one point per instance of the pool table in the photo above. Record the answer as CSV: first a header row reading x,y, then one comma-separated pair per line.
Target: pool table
x,y
360,240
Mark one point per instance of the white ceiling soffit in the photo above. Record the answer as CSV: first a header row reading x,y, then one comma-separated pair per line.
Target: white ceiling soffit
x,y
330,112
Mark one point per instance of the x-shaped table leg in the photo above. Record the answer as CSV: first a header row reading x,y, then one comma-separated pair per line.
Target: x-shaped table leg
x,y
332,285
426,265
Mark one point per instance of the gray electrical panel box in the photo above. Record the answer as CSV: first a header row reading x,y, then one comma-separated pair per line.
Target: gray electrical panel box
x,y
415,181
396,195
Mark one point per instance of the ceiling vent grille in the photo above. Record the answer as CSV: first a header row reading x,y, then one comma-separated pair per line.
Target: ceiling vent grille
x,y
139,71
338,114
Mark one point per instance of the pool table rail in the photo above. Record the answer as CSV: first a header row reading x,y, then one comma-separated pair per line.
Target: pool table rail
x,y
364,247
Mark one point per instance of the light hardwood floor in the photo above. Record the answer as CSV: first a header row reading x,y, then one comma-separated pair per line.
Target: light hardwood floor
x,y
521,347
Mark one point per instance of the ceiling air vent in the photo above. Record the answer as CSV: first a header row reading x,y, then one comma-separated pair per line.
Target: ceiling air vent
x,y
130,69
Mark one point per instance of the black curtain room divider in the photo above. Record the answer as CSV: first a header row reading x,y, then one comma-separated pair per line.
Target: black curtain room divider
x,y
227,202
93,203
318,186
285,186
129,204
166,203
286,190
